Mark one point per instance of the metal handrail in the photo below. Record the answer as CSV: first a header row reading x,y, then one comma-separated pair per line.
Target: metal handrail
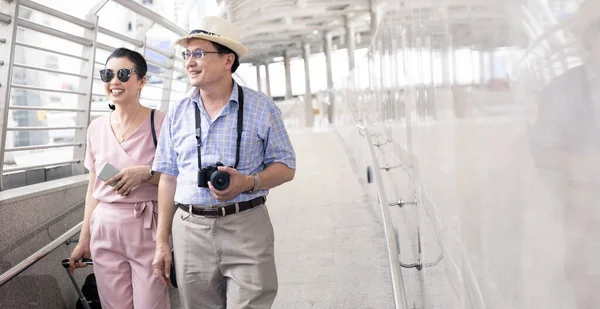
x,y
43,128
24,87
53,32
50,51
160,51
398,290
29,67
38,147
4,18
34,258
162,65
58,14
151,15
122,37
28,167
547,34
105,47
44,108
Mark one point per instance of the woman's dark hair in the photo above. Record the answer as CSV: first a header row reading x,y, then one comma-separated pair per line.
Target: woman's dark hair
x,y
226,50
141,67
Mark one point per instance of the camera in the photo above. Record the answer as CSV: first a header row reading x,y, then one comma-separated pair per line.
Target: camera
x,y
220,180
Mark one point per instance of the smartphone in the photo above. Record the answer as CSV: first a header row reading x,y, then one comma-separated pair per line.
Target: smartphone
x,y
107,171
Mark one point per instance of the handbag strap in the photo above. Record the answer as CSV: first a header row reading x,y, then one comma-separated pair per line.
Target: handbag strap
x,y
152,127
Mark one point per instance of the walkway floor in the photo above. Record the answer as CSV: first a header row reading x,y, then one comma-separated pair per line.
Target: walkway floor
x,y
330,249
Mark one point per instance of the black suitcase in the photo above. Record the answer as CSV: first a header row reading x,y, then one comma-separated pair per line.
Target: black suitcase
x,y
88,294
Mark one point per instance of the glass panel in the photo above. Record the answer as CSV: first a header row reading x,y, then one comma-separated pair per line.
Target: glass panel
x,y
486,116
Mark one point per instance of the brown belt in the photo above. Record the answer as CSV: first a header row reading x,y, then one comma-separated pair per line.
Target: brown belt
x,y
222,211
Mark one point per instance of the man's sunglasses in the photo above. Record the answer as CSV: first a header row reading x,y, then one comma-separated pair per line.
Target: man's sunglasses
x,y
106,75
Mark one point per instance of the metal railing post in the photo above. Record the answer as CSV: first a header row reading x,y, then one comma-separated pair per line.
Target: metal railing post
x,y
163,105
8,35
141,35
398,289
85,86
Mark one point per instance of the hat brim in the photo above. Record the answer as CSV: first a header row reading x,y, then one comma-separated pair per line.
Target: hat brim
x,y
237,47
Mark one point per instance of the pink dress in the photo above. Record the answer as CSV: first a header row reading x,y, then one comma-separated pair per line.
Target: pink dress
x,y
123,228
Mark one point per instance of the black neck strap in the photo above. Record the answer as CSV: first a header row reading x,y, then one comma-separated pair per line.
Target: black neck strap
x,y
240,122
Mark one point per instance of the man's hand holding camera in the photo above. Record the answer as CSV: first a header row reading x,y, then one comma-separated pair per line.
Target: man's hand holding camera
x,y
238,183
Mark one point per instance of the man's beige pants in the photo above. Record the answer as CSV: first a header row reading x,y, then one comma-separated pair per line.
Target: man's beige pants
x,y
225,262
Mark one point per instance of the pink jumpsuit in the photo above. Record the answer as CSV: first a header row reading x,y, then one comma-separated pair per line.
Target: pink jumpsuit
x,y
123,228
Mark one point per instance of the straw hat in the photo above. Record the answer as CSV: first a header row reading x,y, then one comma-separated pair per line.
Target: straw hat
x,y
218,30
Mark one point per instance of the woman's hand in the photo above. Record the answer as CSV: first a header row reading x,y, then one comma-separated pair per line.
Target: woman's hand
x,y
82,250
129,178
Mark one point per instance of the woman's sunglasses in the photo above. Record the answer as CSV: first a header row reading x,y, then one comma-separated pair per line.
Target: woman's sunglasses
x,y
106,75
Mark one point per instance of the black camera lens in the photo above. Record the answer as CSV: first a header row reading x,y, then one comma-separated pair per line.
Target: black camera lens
x,y
219,180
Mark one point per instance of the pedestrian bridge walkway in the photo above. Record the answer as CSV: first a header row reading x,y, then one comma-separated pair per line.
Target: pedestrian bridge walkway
x,y
330,249
446,150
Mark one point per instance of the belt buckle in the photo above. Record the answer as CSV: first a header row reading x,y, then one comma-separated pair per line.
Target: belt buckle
x,y
211,212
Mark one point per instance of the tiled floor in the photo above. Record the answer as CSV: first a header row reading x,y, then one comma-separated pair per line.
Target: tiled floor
x,y
330,249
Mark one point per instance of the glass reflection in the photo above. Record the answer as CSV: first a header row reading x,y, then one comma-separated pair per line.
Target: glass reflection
x,y
493,113
565,140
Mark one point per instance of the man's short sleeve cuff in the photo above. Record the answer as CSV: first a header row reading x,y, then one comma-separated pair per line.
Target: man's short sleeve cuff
x,y
165,170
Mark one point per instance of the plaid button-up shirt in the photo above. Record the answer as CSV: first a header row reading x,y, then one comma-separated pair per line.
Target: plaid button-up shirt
x,y
264,142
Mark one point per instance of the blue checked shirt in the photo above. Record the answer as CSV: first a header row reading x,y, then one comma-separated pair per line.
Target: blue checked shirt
x,y
264,142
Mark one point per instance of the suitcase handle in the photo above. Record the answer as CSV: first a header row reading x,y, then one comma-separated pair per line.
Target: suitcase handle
x,y
87,261
65,264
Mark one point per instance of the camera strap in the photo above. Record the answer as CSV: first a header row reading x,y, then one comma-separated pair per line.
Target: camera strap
x,y
240,122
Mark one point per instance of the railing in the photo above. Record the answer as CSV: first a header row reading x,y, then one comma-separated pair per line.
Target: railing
x,y
429,267
44,119
391,240
493,184
34,258
398,290
552,49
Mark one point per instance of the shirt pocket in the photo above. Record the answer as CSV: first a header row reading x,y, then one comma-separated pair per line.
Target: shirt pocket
x,y
184,150
251,148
